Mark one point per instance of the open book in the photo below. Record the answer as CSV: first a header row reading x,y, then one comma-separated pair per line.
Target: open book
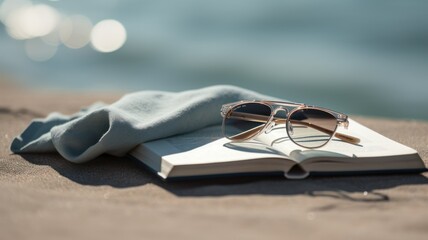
x,y
206,153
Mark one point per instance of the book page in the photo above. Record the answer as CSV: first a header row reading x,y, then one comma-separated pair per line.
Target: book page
x,y
372,144
208,146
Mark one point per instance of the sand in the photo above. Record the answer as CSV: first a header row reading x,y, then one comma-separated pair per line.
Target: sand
x,y
42,196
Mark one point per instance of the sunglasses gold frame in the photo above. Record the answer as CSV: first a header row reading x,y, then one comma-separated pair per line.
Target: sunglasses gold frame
x,y
270,121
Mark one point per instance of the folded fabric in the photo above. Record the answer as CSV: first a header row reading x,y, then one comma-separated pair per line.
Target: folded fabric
x,y
135,118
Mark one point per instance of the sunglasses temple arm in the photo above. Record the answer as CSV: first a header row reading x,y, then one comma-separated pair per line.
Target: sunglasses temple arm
x,y
347,138
341,136
247,134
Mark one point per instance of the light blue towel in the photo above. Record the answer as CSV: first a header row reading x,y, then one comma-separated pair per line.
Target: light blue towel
x,y
135,118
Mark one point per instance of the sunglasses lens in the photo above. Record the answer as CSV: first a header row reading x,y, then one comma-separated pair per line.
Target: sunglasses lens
x,y
246,120
311,128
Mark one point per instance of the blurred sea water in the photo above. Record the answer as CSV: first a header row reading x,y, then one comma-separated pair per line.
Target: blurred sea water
x,y
358,57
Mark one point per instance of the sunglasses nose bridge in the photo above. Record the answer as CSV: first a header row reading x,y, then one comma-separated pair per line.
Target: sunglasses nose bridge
x,y
273,121
278,109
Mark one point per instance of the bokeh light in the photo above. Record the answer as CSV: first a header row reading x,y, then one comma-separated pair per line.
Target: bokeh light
x,y
108,36
48,28
52,38
29,21
37,50
9,6
75,31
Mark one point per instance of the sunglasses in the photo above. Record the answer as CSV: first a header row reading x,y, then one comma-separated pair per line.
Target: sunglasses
x,y
307,126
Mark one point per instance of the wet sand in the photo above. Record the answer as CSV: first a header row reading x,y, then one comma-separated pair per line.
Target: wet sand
x,y
42,196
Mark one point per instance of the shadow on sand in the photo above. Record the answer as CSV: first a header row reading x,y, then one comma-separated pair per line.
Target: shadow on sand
x,y
123,173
